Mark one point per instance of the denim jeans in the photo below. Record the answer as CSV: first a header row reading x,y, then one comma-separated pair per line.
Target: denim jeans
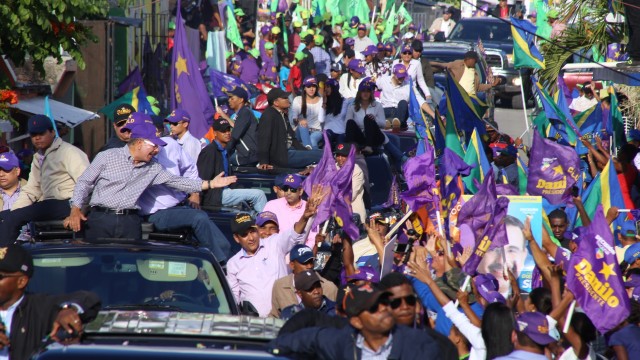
x,y
203,228
231,197
401,112
12,221
310,138
301,158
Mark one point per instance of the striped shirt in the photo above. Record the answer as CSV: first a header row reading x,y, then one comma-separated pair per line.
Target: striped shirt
x,y
113,181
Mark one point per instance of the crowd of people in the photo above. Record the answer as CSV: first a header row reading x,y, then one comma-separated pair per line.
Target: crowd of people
x,y
335,95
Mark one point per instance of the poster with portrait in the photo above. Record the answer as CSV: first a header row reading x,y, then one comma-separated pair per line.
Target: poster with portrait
x,y
516,254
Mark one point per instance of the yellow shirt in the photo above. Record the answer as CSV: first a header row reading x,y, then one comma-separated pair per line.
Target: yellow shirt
x,y
467,81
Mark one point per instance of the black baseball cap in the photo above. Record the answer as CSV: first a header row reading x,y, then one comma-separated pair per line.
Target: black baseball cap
x,y
14,258
221,124
342,149
305,280
360,298
275,94
122,112
241,223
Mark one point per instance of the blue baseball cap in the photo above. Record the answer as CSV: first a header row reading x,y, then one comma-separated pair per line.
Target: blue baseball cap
x,y
354,22
292,181
38,124
265,217
9,161
628,228
632,253
301,253
633,135
136,119
178,115
147,132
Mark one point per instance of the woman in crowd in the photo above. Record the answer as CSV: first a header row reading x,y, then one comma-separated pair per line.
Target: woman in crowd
x,y
335,111
307,114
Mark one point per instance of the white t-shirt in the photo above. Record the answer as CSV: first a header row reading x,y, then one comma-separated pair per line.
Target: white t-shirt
x,y
445,26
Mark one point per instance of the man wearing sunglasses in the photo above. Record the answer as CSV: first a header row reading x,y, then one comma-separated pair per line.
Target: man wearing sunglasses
x,y
119,138
179,121
283,295
56,167
372,334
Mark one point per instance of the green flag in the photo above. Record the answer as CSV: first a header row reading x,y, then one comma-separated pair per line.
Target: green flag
x,y
274,6
362,11
403,13
389,25
232,29
476,157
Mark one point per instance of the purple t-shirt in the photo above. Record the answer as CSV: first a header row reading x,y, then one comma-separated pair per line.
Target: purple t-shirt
x,y
249,70
629,337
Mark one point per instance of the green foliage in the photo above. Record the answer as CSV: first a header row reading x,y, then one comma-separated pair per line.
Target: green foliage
x,y
39,28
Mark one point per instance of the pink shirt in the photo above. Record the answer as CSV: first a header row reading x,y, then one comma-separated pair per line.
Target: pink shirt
x,y
288,216
251,278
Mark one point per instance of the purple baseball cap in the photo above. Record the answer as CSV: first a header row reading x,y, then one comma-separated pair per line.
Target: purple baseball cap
x,y
357,66
147,132
407,48
9,161
350,41
309,81
333,83
488,286
365,273
354,22
293,181
535,326
400,71
178,115
265,217
367,85
136,119
388,47
362,27
265,29
370,50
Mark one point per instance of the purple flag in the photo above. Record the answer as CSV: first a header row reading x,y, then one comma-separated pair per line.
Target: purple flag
x,y
342,192
452,164
594,276
323,174
221,81
420,174
482,218
506,189
188,91
132,81
394,195
553,170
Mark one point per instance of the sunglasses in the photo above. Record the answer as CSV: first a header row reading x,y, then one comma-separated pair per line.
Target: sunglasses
x,y
384,300
121,123
410,300
174,123
407,53
288,189
3,276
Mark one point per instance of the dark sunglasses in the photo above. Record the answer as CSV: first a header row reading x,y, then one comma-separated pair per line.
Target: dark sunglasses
x,y
384,300
409,299
407,53
121,123
288,189
173,123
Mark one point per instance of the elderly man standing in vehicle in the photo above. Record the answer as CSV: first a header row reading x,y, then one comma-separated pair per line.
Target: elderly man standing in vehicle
x,y
114,181
55,169
464,72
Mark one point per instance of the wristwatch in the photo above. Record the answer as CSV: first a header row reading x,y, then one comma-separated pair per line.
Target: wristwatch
x,y
72,305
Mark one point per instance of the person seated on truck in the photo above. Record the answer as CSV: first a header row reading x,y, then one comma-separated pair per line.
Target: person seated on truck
x,y
464,73
10,181
214,160
243,146
55,169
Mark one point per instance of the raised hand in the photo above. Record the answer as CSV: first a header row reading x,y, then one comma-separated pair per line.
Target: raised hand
x,y
221,181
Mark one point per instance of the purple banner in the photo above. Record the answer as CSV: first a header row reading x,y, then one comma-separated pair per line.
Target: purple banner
x,y
323,174
420,174
342,192
553,170
594,276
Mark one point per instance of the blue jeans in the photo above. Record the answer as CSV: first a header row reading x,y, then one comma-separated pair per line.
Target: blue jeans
x,y
203,228
301,158
310,138
231,197
401,112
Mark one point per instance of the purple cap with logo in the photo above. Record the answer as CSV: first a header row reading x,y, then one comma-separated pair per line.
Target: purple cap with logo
x,y
147,132
301,253
293,181
367,85
350,41
265,217
357,66
333,83
388,47
400,71
488,286
370,50
362,27
365,273
136,119
354,22
535,326
309,81
9,161
178,115
407,49
265,29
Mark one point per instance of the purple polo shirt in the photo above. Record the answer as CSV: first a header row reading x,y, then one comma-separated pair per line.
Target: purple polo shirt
x,y
269,70
251,278
249,70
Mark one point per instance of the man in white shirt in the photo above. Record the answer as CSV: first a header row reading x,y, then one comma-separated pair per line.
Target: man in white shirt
x,y
442,25
179,121
394,95
362,40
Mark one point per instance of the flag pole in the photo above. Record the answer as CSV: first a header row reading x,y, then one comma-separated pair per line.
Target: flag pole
x,y
463,287
567,322
524,102
396,227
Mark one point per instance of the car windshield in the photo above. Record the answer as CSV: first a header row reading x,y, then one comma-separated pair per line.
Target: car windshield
x,y
486,31
125,279
445,56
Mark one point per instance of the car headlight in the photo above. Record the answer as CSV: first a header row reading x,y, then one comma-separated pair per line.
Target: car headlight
x,y
516,81
510,58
